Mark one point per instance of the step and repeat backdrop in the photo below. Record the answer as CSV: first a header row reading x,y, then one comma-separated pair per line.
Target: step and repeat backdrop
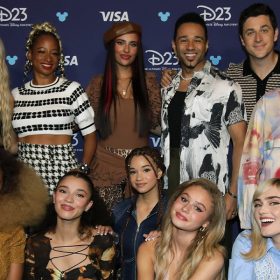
x,y
81,24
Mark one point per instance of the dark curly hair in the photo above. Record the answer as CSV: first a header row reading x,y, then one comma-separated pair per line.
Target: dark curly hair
x,y
10,172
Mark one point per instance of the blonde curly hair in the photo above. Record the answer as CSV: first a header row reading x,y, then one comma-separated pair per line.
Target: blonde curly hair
x,y
5,101
36,31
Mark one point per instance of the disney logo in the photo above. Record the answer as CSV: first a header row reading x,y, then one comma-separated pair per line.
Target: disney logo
x,y
16,14
156,58
220,13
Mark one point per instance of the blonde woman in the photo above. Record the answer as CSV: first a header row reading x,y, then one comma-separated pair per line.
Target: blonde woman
x,y
189,248
7,136
256,252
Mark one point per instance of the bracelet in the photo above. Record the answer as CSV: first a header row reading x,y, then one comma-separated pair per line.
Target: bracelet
x,y
84,168
231,194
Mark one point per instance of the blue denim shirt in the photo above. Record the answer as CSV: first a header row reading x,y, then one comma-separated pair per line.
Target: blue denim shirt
x,y
130,234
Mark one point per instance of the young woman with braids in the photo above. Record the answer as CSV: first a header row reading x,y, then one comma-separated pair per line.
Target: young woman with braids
x,y
7,136
192,228
127,104
46,108
136,217
68,246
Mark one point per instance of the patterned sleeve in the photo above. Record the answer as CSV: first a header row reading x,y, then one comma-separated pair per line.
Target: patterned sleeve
x,y
29,265
84,114
235,110
154,99
17,246
103,253
250,165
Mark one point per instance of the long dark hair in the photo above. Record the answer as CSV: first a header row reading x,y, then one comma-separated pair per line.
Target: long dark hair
x,y
152,155
109,93
96,215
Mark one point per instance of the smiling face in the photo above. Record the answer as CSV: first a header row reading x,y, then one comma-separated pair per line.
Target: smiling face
x,y
190,46
142,175
72,198
126,49
258,37
267,212
44,56
192,209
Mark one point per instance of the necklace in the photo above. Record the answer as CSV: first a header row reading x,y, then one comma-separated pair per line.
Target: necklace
x,y
124,91
185,79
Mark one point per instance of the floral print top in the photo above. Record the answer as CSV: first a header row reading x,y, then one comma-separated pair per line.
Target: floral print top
x,y
261,152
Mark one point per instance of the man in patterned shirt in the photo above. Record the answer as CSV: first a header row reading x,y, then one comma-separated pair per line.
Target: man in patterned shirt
x,y
201,111
260,72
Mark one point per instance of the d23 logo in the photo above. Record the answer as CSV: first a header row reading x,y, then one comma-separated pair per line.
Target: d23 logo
x,y
15,14
220,13
156,58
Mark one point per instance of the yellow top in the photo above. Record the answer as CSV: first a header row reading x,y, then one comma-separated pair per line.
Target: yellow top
x,y
12,245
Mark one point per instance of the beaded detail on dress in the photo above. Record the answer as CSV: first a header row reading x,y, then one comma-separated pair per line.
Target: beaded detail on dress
x,y
266,269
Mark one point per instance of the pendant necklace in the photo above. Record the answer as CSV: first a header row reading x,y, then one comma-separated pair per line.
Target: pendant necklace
x,y
124,91
185,79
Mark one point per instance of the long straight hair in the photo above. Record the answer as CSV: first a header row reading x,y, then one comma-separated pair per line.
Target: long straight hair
x,y
109,95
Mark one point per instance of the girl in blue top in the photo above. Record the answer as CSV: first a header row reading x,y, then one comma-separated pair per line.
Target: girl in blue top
x,y
137,216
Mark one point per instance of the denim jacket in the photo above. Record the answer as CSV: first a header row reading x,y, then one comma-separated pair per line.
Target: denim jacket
x,y
130,240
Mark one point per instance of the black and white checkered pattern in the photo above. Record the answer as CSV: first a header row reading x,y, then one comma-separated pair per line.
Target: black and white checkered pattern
x,y
51,162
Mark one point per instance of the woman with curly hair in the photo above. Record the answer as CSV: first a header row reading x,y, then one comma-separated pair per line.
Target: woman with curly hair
x,y
256,252
7,136
127,103
192,228
46,108
68,246
23,201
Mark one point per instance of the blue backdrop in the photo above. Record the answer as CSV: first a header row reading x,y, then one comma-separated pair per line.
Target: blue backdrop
x,y
81,24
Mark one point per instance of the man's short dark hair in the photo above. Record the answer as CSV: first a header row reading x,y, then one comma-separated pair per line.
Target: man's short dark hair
x,y
254,10
190,18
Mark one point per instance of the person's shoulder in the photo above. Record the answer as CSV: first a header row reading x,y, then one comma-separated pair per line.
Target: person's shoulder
x,y
235,66
123,205
37,239
148,247
73,84
218,257
96,79
243,242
